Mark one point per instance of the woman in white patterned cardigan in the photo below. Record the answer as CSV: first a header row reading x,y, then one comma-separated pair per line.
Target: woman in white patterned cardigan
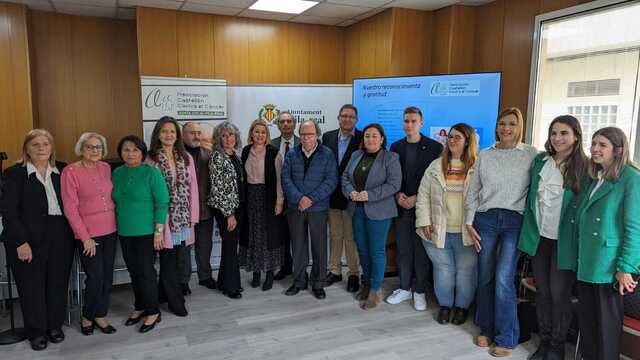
x,y
227,200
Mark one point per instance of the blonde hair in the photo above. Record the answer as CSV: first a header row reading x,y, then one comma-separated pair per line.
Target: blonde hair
x,y
618,139
518,114
28,138
258,122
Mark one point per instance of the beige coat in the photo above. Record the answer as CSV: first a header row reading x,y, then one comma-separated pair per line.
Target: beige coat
x,y
431,206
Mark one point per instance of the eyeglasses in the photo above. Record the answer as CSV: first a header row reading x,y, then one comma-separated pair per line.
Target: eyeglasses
x,y
347,117
93,147
307,135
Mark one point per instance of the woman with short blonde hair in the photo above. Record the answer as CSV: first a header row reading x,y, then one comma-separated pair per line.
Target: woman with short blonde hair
x,y
90,210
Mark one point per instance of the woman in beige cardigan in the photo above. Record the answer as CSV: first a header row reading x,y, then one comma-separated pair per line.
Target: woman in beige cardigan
x,y
440,223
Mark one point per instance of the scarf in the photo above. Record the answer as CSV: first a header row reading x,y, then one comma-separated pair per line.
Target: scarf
x,y
179,186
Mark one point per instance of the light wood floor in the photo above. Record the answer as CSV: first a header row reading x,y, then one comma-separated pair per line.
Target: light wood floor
x,y
269,325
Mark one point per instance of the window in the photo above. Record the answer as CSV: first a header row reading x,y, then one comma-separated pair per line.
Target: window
x,y
594,88
586,64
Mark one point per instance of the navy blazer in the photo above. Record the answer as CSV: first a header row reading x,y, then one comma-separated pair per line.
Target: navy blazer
x,y
24,206
428,150
383,182
330,140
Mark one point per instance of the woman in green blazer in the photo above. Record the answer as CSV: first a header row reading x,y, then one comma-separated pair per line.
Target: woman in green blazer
x,y
547,230
608,250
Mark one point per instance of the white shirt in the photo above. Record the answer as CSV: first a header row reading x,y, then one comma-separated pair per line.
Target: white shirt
x,y
598,184
549,199
283,144
309,153
52,199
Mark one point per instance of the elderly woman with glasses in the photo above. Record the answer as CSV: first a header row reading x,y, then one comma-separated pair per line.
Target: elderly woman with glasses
x,y
86,194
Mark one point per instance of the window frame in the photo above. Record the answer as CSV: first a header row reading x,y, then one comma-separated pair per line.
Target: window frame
x,y
578,10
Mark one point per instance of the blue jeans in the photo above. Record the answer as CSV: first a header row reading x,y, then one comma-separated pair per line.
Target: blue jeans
x,y
371,238
497,312
454,271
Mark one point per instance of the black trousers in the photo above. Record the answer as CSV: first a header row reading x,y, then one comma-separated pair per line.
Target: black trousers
x,y
170,278
553,293
203,246
301,222
43,283
229,272
98,270
600,316
411,257
139,255
287,263
184,272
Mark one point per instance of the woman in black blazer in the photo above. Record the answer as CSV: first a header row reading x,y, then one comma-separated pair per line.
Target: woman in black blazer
x,y
37,237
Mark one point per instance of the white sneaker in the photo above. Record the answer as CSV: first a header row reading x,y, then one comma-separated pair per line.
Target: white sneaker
x,y
419,302
398,296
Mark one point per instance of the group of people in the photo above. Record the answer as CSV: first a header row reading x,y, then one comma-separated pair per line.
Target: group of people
x,y
470,214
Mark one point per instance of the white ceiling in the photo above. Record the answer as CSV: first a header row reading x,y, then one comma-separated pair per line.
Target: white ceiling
x,y
328,12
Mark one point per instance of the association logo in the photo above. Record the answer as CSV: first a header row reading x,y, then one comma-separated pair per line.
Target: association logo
x,y
268,113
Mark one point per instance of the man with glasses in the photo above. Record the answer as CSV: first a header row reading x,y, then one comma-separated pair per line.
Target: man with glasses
x,y
416,153
309,177
285,142
343,142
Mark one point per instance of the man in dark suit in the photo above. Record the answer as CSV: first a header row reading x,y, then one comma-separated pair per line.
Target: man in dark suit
x,y
191,135
343,142
286,141
416,153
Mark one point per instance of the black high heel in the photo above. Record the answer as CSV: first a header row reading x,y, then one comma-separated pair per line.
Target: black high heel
x,y
146,328
87,330
106,330
132,321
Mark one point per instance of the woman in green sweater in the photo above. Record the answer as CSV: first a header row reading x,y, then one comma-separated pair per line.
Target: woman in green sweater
x,y
141,199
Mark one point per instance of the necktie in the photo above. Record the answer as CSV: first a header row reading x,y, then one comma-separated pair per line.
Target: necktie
x,y
286,147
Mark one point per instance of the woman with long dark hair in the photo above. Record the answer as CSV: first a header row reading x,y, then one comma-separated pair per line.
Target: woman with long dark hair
x,y
168,154
557,177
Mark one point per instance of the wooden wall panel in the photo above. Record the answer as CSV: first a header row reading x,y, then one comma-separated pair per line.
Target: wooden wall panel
x,y
239,50
231,49
86,78
195,45
368,47
16,117
158,47
442,39
54,79
326,55
463,39
516,52
489,37
411,42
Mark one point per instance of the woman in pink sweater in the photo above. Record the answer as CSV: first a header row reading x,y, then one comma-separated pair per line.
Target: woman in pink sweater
x,y
86,194
168,154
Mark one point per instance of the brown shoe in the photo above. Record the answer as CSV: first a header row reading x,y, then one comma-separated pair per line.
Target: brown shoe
x,y
375,298
498,351
483,341
363,294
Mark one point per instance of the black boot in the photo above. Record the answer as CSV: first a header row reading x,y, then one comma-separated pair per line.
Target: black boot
x,y
541,353
268,281
256,279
